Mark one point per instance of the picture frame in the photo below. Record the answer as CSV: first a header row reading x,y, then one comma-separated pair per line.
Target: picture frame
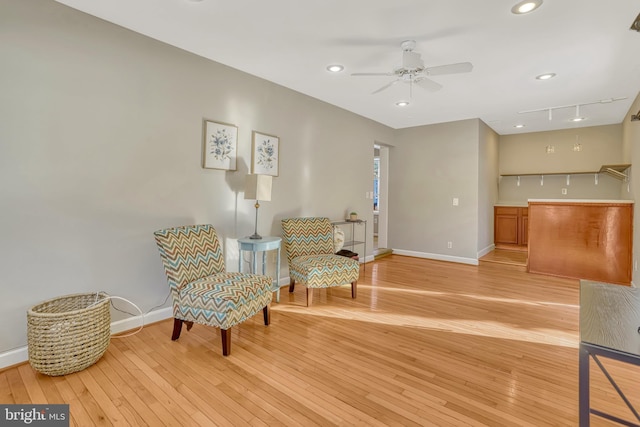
x,y
219,145
265,154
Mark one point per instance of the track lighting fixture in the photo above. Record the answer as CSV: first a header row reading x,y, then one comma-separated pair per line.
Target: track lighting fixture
x,y
577,117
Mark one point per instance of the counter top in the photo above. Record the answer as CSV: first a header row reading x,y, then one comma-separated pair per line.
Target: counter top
x,y
512,204
610,315
578,201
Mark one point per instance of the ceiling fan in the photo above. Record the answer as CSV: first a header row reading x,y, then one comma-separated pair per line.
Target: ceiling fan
x,y
413,70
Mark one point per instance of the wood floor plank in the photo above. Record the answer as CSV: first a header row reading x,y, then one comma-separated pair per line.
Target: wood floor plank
x,y
425,343
32,385
78,414
5,390
17,388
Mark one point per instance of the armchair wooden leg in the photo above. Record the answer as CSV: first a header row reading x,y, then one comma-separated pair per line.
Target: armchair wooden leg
x,y
267,315
189,325
177,328
226,341
292,285
309,296
354,288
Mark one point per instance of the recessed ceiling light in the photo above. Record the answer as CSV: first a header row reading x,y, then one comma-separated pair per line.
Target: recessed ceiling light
x,y
402,103
335,68
577,119
518,126
526,6
546,76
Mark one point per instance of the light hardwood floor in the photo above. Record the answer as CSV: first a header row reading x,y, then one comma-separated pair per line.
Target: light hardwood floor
x,y
424,343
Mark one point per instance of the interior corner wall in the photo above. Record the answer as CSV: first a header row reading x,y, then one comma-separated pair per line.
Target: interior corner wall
x,y
101,144
631,148
429,166
487,185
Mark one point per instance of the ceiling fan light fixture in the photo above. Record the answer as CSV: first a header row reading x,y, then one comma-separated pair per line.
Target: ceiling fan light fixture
x,y
526,6
335,68
402,103
546,76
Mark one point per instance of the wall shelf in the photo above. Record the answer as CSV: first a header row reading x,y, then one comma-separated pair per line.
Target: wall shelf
x,y
616,171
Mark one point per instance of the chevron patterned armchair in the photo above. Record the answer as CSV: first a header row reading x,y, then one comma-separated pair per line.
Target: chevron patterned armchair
x,y
201,290
312,263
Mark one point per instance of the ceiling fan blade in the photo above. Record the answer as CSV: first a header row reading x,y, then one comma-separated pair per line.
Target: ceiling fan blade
x,y
387,86
461,67
428,84
373,74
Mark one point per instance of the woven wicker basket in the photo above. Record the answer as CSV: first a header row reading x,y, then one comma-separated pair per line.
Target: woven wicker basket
x,y
69,333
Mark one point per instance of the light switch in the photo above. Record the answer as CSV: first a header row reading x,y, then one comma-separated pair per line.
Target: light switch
x,y
456,202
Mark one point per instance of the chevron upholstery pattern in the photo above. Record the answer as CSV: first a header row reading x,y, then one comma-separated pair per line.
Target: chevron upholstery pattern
x,y
309,246
202,292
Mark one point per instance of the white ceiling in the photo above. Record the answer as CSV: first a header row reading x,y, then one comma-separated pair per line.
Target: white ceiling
x,y
587,43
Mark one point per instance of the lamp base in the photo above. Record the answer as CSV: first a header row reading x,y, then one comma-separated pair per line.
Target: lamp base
x,y
255,236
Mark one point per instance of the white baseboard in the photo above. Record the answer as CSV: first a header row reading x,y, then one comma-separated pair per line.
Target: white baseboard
x,y
486,250
134,322
21,354
14,357
438,257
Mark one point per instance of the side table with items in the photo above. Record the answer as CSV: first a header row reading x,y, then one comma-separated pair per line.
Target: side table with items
x,y
263,245
351,243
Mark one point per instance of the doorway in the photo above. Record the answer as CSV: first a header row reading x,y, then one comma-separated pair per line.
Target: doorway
x,y
380,199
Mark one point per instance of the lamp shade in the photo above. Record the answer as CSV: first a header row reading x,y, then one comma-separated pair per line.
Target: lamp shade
x,y
258,187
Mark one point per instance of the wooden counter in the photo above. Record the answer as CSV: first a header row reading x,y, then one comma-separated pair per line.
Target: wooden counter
x,y
582,239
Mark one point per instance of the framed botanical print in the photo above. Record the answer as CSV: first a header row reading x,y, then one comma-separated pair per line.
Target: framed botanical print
x,y
220,145
265,154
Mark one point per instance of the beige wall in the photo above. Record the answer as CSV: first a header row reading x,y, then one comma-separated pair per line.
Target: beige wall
x,y
487,185
101,142
429,166
526,154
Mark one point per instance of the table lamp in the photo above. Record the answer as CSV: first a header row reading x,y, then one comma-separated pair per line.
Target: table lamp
x,y
257,187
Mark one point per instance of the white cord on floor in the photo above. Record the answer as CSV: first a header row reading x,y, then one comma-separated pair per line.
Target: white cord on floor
x,y
112,297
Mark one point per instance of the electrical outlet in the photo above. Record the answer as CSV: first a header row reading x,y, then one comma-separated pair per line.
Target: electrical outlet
x,y
449,245
564,191
456,201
